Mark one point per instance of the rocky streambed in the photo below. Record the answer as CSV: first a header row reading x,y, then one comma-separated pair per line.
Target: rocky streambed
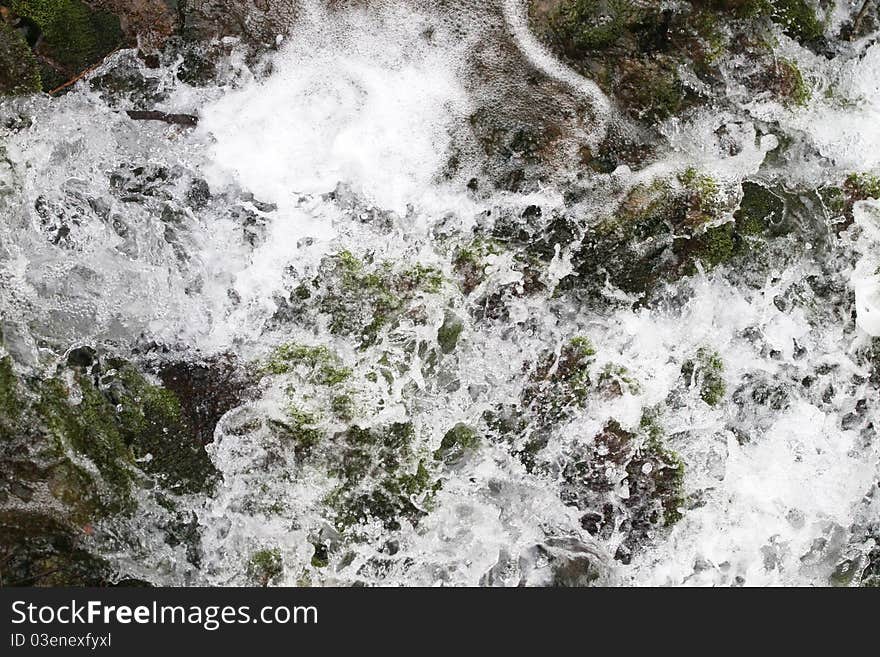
x,y
568,292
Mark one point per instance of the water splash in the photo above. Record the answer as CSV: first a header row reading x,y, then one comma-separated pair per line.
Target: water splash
x,y
122,234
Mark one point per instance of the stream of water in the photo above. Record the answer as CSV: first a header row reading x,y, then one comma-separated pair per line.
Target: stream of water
x,y
125,233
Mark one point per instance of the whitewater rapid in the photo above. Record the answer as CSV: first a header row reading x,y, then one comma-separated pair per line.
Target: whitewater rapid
x,y
341,142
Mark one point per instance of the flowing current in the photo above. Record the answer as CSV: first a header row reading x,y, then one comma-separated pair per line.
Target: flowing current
x,y
128,234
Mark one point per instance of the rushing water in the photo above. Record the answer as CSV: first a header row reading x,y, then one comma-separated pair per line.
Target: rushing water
x,y
341,140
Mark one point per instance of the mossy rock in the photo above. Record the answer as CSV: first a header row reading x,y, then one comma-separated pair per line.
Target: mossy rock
x,y
449,332
362,298
265,566
150,422
37,549
74,36
457,442
659,233
318,364
127,428
19,70
760,212
797,18
557,388
380,474
706,372
10,399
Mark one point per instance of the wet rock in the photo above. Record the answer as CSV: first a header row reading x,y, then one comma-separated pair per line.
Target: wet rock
x,y
19,70
81,444
37,549
206,390
618,459
72,36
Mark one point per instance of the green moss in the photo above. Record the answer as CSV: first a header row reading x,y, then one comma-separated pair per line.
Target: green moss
x,y
717,245
321,558
419,278
302,429
669,482
668,478
759,210
862,186
703,192
10,402
706,370
654,479
362,299
89,428
343,407
265,566
799,92
588,25
75,36
150,423
456,442
798,19
649,89
324,367
380,477
449,332
19,70
840,200
617,378
469,262
558,385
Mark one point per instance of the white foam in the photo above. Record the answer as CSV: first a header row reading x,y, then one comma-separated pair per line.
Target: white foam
x,y
362,98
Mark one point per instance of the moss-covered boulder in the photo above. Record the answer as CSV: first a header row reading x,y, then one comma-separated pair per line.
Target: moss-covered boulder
x,y
37,549
657,60
69,36
659,232
361,299
78,447
381,476
19,70
705,372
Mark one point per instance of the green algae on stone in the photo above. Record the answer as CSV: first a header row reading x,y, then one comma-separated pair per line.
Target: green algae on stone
x,y
74,35
265,566
89,428
301,428
380,477
93,440
361,299
670,480
706,370
456,442
151,423
558,387
861,186
593,24
759,211
19,70
323,366
10,398
659,232
795,88
798,19
449,332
